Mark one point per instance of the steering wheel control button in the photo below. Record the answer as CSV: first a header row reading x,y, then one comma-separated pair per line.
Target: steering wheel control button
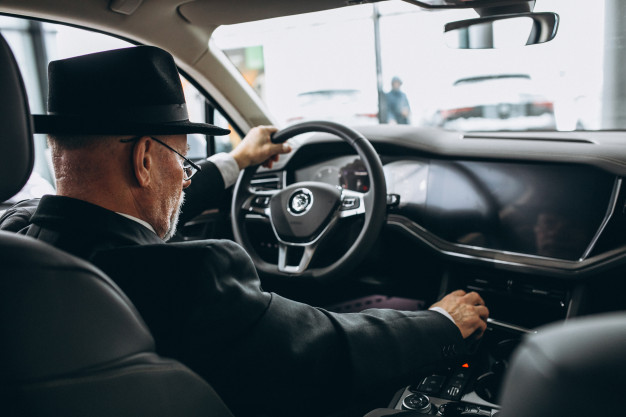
x,y
261,201
300,202
393,200
349,203
417,402
432,384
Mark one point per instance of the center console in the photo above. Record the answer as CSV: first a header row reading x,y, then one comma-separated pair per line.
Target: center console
x,y
469,388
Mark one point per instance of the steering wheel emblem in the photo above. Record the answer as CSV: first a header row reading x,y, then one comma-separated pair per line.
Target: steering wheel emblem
x,y
300,202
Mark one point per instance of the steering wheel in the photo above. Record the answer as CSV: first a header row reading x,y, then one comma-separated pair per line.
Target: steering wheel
x,y
304,213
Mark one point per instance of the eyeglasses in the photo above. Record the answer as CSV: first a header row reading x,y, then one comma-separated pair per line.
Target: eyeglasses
x,y
189,167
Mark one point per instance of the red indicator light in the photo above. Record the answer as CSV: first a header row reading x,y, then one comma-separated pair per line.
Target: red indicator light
x,y
465,365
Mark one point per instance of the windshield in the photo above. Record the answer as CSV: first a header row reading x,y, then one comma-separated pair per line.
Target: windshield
x,y
389,63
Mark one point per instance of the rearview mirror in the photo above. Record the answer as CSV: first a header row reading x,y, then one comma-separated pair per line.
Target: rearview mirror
x,y
502,31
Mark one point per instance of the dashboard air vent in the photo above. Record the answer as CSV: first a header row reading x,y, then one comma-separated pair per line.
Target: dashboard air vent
x,y
266,182
487,284
546,292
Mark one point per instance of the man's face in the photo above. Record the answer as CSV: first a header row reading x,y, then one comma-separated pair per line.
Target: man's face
x,y
169,187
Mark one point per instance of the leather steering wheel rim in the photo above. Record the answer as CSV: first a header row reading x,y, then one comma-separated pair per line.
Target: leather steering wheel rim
x,y
374,202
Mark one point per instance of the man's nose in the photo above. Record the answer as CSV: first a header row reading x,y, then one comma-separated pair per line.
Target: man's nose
x,y
186,183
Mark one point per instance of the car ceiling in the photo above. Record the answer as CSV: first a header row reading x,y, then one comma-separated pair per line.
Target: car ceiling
x,y
189,26
215,12
191,21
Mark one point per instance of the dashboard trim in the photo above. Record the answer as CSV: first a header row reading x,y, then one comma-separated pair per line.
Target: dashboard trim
x,y
509,260
617,186
509,326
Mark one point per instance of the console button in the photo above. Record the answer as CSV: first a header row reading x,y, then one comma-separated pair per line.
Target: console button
x,y
451,409
417,402
461,374
454,388
432,384
453,392
457,381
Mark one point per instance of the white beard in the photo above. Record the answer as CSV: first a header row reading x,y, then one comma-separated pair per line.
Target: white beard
x,y
171,231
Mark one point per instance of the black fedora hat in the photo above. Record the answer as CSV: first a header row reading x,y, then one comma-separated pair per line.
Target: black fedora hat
x,y
133,90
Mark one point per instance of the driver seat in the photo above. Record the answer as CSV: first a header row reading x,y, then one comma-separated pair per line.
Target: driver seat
x,y
72,342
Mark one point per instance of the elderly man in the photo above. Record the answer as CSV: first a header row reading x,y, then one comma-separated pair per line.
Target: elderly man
x,y
117,127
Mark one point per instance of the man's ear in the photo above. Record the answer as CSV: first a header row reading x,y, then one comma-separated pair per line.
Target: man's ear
x,y
142,162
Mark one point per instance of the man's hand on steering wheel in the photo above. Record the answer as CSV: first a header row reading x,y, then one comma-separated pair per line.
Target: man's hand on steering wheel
x,y
257,148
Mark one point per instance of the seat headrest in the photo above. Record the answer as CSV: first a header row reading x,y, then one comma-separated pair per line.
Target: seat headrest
x,y
60,315
572,369
16,134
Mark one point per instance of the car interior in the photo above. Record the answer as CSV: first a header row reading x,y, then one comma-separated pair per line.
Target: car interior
x,y
529,217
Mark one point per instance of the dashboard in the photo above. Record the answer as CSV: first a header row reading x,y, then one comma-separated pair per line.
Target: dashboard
x,y
532,221
539,209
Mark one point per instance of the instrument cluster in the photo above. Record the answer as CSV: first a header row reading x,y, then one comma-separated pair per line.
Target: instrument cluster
x,y
347,172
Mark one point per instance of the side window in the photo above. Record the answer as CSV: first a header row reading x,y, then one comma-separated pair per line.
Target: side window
x,y
224,143
200,110
35,43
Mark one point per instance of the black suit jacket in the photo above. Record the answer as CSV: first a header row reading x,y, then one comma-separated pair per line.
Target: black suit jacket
x,y
206,191
262,353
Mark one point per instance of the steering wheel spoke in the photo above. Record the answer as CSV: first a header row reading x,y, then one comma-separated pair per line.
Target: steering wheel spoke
x,y
303,262
352,203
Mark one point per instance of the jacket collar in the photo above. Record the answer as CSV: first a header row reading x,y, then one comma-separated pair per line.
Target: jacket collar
x,y
58,212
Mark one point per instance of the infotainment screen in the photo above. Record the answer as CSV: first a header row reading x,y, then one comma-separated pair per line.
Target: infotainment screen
x,y
539,209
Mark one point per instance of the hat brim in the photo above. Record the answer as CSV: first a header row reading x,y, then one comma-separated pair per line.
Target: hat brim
x,y
53,124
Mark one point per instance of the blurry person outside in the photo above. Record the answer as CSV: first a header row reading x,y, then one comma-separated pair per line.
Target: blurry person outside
x,y
398,110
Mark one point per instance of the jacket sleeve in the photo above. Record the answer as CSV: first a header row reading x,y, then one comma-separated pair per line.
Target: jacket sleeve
x,y
309,355
204,304
205,192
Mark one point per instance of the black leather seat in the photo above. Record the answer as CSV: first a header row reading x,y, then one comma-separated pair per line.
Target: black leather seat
x,y
569,370
71,343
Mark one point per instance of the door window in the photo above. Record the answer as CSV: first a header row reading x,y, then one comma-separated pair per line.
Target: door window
x,y
35,43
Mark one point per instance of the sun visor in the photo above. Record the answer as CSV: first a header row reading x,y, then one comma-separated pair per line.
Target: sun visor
x,y
221,13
